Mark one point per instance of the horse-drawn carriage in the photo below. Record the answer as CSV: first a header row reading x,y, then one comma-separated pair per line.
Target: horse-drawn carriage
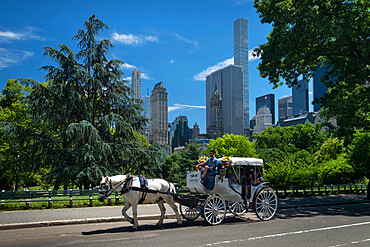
x,y
211,197
224,191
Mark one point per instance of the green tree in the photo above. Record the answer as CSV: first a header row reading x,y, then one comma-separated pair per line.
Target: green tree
x,y
86,116
15,169
330,149
232,146
334,34
359,155
336,171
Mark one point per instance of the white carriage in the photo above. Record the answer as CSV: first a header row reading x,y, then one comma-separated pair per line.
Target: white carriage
x,y
222,193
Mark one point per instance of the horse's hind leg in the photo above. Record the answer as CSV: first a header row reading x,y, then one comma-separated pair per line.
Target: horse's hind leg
x,y
124,209
163,211
134,214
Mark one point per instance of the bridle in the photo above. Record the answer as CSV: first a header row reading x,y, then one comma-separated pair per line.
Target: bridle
x,y
108,187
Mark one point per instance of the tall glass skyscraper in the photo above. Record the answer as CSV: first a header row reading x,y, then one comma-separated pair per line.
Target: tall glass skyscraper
x,y
300,98
319,88
241,59
228,83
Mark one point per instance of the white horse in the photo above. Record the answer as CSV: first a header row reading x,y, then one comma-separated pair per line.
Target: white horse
x,y
125,183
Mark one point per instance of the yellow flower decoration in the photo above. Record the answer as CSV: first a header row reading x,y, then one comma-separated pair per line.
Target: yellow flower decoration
x,y
202,159
226,161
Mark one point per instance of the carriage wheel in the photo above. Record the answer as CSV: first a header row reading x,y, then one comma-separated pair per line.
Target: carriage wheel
x,y
237,208
265,204
214,210
190,213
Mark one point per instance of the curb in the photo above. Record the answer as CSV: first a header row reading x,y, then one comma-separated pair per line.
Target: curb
x,y
13,226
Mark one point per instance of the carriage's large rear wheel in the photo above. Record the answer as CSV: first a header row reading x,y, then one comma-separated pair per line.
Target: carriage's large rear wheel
x,y
266,203
214,210
190,213
237,208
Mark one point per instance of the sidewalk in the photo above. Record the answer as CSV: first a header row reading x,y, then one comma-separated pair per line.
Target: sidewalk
x,y
51,217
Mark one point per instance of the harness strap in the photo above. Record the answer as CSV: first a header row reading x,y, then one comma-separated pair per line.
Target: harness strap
x,y
144,187
127,185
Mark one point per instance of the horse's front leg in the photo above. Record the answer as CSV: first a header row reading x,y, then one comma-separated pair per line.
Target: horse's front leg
x,y
134,214
124,209
172,204
163,211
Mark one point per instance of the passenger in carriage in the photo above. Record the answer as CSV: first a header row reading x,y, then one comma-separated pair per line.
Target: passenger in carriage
x,y
251,180
201,163
210,164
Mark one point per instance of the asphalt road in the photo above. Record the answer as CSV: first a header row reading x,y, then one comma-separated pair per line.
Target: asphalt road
x,y
341,225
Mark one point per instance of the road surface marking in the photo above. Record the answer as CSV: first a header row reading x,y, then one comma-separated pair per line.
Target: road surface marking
x,y
354,242
289,233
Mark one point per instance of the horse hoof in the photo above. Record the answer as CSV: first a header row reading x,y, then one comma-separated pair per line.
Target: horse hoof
x,y
159,226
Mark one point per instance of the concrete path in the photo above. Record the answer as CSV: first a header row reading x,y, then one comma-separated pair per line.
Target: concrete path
x,y
34,218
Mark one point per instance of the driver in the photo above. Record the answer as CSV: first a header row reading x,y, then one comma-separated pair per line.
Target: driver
x,y
210,164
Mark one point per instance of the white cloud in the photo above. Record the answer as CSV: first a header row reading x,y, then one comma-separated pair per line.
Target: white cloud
x,y
9,57
128,66
194,43
27,34
127,78
180,107
145,76
202,75
172,61
130,39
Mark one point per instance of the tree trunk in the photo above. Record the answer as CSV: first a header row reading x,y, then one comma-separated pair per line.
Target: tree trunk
x,y
56,185
368,190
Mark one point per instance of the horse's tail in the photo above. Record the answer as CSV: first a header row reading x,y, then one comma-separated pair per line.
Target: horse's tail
x,y
172,188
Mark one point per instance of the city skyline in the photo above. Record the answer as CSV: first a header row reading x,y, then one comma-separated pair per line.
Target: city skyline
x,y
178,44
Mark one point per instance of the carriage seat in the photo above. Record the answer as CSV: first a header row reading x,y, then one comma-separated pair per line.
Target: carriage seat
x,y
209,181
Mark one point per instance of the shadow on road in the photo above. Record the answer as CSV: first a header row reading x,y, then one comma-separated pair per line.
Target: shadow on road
x,y
355,210
171,225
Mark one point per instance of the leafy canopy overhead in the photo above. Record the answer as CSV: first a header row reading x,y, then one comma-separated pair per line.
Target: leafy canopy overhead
x,y
330,33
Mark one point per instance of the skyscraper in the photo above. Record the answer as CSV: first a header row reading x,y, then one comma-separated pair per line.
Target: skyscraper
x,y
196,131
263,119
300,98
226,87
159,114
267,100
136,84
179,132
319,88
285,107
241,59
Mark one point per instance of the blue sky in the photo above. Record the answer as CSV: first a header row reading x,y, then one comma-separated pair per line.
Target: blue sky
x,y
177,42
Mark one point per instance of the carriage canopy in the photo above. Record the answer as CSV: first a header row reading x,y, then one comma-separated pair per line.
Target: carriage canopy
x,y
240,161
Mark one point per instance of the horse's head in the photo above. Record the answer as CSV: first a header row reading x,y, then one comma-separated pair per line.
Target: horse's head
x,y
105,188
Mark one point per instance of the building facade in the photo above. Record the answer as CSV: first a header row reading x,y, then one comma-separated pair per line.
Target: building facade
x,y
196,131
285,108
241,59
159,115
179,132
319,88
263,119
267,100
300,98
136,84
225,114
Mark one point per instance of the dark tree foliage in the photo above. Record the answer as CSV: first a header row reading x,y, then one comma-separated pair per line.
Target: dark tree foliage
x,y
329,33
87,120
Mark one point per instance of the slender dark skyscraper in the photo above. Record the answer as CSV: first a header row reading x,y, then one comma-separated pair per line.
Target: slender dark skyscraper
x,y
241,59
319,88
300,98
